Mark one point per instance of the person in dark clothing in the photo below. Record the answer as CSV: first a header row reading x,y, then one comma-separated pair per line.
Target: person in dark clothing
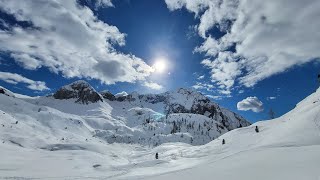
x,y
257,129
223,141
157,156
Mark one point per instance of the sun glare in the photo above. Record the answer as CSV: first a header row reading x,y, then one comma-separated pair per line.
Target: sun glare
x,y
160,65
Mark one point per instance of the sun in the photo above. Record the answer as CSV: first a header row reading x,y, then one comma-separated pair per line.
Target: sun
x,y
160,65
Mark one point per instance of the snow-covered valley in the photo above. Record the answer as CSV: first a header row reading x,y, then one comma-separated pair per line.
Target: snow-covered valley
x,y
56,138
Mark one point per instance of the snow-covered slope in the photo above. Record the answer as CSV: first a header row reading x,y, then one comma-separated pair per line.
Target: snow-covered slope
x,y
285,148
39,140
6,92
176,116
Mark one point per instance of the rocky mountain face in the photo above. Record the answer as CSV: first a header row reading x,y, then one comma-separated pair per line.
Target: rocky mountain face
x,y
187,101
82,91
183,115
108,95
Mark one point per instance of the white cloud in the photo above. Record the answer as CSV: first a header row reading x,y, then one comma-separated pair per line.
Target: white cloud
x,y
14,78
210,46
250,103
104,3
224,69
201,77
69,39
152,85
211,88
271,98
31,64
203,86
270,37
214,97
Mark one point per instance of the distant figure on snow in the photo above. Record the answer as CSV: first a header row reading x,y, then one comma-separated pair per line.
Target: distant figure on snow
x,y
257,129
157,156
223,141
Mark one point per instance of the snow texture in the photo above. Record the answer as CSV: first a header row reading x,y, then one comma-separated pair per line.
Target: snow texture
x,y
48,138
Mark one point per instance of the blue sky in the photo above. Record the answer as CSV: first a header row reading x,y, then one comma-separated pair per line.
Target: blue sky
x,y
205,46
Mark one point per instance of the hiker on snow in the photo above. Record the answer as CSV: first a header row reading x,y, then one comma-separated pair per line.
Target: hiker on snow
x,y
257,129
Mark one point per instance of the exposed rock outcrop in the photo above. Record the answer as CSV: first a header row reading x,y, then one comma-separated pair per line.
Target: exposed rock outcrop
x,y
80,90
108,95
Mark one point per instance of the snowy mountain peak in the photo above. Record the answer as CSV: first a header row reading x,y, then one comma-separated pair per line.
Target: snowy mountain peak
x,y
78,84
107,95
186,97
80,90
43,130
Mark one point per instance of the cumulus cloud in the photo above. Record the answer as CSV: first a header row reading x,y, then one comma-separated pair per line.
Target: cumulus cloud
x,y
14,78
224,69
203,86
27,61
214,97
68,38
250,103
104,3
152,85
269,37
216,94
200,77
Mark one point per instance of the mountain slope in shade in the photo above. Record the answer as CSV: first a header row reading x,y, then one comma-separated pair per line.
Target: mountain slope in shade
x,y
39,141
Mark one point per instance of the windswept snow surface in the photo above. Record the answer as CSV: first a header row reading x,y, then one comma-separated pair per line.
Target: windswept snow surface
x,y
41,141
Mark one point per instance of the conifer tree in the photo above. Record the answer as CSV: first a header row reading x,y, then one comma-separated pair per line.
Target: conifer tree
x,y
271,114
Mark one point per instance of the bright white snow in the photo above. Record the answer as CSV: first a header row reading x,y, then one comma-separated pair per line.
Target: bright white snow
x,y
41,138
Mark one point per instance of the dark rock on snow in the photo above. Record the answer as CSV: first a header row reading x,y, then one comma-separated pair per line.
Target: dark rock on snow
x,y
80,90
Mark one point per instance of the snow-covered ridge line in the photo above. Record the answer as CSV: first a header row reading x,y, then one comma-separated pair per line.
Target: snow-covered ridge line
x,y
6,92
175,116
74,141
181,100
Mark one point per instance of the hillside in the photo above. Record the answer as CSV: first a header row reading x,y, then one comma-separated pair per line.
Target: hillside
x,y
44,142
176,116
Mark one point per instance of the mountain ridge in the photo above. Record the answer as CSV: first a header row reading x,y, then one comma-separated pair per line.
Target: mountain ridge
x,y
181,100
116,138
182,115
